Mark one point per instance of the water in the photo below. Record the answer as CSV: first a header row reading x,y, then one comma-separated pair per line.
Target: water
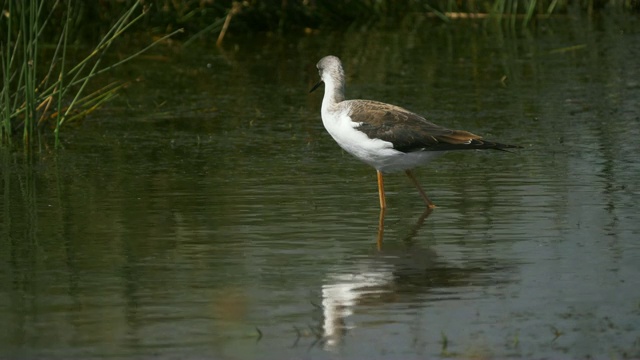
x,y
206,212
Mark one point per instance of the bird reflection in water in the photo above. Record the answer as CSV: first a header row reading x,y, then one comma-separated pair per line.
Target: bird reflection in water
x,y
372,280
412,233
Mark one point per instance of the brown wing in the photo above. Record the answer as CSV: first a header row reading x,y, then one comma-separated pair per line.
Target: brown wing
x,y
409,132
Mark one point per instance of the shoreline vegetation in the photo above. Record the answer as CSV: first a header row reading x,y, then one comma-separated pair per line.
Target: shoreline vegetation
x,y
45,77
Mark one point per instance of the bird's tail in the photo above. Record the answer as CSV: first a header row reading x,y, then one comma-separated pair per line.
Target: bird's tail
x,y
483,144
477,144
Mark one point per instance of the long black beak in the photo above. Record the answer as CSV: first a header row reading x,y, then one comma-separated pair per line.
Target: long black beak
x,y
315,86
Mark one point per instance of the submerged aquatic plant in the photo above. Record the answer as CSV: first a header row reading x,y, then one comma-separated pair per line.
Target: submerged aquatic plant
x,y
33,98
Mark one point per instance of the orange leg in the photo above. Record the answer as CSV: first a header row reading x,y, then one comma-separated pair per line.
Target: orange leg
x,y
383,202
380,229
430,205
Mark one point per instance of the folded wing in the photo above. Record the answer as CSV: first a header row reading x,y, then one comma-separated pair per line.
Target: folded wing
x,y
410,132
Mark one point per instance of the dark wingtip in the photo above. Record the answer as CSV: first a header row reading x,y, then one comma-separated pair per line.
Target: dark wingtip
x,y
483,144
504,147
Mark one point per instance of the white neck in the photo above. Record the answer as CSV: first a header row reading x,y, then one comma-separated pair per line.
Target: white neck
x,y
333,92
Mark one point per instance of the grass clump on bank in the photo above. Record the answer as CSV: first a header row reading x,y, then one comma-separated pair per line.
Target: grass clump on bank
x,y
41,87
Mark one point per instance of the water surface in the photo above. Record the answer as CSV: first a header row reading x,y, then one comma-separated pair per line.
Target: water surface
x,y
207,213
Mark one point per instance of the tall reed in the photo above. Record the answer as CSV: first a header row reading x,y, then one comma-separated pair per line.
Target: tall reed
x,y
32,98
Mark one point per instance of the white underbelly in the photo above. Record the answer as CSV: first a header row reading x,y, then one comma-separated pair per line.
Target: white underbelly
x,y
405,161
378,153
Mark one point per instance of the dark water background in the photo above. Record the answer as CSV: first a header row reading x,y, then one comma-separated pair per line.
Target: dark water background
x,y
207,213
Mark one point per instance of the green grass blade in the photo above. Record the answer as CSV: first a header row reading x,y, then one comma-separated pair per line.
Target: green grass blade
x,y
530,12
65,36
